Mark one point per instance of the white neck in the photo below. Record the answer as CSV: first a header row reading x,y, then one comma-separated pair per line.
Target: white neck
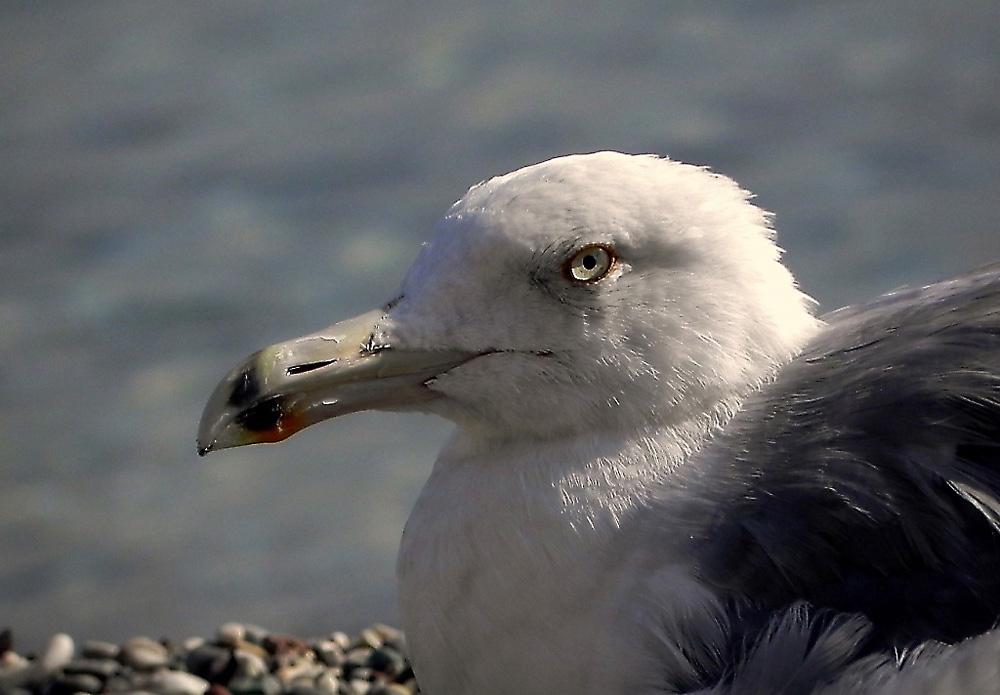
x,y
498,581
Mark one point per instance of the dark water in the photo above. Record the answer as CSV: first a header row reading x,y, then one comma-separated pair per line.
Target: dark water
x,y
183,182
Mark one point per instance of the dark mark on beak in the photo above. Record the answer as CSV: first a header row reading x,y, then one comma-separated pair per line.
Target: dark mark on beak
x,y
246,389
264,416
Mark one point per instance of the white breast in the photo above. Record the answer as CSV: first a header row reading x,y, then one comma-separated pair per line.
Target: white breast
x,y
501,594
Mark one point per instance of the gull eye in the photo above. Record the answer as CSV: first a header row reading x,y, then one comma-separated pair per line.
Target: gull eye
x,y
589,264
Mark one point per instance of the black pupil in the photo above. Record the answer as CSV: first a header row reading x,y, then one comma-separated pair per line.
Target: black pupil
x,y
589,262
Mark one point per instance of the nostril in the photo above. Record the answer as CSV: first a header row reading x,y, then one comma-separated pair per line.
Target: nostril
x,y
307,367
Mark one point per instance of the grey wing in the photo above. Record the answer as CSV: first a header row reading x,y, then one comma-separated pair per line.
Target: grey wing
x,y
865,479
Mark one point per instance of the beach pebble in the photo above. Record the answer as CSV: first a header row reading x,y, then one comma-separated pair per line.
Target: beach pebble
x,y
341,639
329,681
58,652
76,683
93,649
265,685
390,689
144,654
230,634
176,683
329,652
360,686
370,637
388,661
239,660
391,635
102,668
12,661
254,634
211,662
249,665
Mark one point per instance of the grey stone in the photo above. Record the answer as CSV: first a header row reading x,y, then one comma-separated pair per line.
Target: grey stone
x,y
341,639
388,661
93,649
249,664
370,637
329,652
77,683
102,668
176,683
210,661
329,681
265,685
254,634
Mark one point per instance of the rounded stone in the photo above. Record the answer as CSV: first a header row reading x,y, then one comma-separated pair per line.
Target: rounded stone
x,y
357,657
390,689
192,643
341,640
249,664
176,683
302,689
254,634
284,644
93,649
360,686
391,635
329,681
370,637
217,664
144,654
230,634
77,683
57,652
11,661
265,685
329,652
102,668
388,661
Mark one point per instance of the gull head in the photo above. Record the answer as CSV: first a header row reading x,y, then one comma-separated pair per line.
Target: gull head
x,y
586,293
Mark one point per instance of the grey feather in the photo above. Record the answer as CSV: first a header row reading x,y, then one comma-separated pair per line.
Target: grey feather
x,y
864,480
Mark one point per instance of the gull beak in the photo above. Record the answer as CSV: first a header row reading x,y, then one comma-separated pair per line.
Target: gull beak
x,y
284,388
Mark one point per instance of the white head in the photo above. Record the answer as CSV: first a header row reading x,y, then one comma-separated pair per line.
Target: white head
x,y
584,293
694,307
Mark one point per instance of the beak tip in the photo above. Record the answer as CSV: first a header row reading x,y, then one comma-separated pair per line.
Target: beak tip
x,y
204,449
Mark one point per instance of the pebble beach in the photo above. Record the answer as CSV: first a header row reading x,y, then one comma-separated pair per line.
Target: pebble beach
x,y
238,660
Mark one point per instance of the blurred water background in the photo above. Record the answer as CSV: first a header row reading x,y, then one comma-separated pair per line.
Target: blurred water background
x,y
184,182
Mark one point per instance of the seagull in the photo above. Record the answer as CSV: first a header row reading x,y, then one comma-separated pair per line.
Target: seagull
x,y
668,475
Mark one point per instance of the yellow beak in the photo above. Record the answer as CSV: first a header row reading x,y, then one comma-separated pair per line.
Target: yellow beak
x,y
284,388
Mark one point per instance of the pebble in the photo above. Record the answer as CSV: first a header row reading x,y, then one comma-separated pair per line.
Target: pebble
x,y
176,683
230,634
102,668
144,654
240,659
329,652
58,652
92,649
77,683
211,662
249,664
255,634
